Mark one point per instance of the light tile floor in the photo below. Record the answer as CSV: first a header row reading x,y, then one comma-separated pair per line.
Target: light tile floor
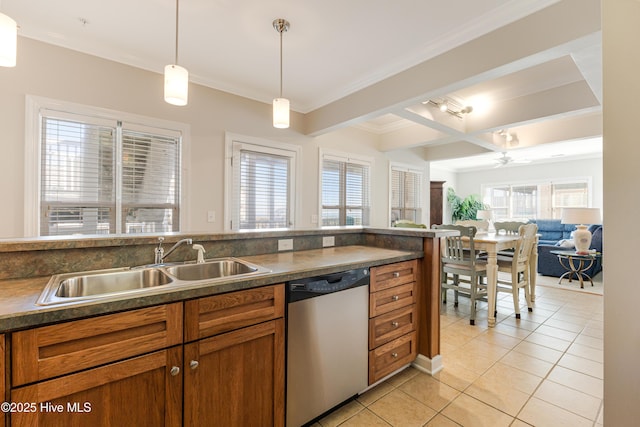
x,y
543,370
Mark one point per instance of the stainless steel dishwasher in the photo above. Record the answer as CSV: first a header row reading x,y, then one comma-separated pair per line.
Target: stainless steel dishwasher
x,y
327,342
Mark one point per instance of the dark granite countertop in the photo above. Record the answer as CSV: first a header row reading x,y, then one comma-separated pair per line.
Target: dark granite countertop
x,y
18,309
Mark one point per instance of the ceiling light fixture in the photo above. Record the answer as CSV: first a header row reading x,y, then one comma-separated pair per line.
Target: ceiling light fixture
x,y
281,105
8,41
176,78
447,105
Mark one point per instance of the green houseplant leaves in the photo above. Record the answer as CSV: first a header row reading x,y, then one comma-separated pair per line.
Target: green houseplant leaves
x,y
463,209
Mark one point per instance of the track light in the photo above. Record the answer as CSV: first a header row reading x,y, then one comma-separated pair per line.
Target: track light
x,y
450,106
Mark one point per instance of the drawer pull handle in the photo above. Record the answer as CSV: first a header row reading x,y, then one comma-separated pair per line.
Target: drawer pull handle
x,y
394,324
394,355
193,364
395,297
396,274
174,371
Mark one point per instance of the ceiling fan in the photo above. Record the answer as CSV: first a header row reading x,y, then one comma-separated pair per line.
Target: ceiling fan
x,y
505,160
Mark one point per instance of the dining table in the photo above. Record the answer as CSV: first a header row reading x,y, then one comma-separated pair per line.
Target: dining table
x,y
492,243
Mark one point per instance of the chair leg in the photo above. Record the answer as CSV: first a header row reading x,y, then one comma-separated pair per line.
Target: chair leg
x,y
456,282
473,284
516,293
527,295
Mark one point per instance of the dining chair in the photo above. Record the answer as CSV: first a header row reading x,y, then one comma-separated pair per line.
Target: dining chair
x,y
516,266
479,224
458,257
510,228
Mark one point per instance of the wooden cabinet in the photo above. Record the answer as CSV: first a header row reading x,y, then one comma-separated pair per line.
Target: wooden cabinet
x,y
436,202
3,378
111,370
392,318
134,368
141,391
235,376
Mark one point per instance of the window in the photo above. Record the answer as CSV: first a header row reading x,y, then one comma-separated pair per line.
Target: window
x,y
101,175
262,184
536,200
344,190
406,190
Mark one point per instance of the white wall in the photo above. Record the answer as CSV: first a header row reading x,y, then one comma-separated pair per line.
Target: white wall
x,y
621,59
52,72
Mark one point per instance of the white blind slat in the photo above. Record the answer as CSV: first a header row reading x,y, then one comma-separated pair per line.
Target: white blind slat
x,y
264,190
80,180
345,191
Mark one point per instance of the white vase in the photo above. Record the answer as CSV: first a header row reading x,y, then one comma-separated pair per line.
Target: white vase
x,y
582,239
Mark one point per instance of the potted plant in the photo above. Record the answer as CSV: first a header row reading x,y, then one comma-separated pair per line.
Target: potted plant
x,y
463,209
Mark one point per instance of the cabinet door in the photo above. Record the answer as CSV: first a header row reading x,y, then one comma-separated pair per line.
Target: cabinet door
x,y
2,378
142,391
237,378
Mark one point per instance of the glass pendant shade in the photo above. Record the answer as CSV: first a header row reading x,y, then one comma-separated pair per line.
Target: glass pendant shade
x,y
281,113
8,41
176,85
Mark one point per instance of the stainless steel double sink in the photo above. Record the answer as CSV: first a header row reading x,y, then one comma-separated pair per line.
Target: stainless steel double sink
x,y
71,287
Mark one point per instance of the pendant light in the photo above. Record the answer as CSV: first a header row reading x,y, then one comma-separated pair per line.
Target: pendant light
x,y
281,105
176,78
8,41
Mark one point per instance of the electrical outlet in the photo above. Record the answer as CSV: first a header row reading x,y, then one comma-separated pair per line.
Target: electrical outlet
x,y
211,216
328,241
285,245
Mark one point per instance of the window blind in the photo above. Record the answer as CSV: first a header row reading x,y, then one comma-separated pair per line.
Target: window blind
x,y
406,199
264,190
98,177
536,200
345,192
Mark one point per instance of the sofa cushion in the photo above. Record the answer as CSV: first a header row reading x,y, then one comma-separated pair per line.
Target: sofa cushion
x,y
596,240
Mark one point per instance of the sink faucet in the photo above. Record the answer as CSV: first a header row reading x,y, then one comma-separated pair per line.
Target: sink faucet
x,y
201,252
159,252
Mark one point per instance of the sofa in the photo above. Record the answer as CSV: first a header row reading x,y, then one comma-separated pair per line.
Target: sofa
x,y
554,236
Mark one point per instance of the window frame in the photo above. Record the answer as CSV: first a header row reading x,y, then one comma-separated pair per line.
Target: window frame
x,y
422,174
538,184
348,158
34,108
233,142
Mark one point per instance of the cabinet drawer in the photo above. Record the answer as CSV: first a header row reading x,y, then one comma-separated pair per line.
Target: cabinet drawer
x,y
388,276
392,299
205,317
390,326
392,356
50,351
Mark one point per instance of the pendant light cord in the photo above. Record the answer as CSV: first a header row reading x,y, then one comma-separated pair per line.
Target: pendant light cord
x,y
177,12
280,63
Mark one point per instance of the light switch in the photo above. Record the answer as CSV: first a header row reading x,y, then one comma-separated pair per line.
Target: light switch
x,y
211,216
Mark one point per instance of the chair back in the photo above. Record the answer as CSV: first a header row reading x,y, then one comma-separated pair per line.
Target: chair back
x,y
510,227
524,247
408,224
457,249
479,224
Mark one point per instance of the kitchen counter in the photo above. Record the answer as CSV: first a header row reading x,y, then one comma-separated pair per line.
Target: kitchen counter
x,y
18,296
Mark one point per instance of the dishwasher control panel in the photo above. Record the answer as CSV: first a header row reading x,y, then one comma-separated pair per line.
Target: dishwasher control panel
x,y
325,284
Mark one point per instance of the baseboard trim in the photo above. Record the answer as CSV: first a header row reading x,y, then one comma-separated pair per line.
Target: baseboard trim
x,y
430,366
